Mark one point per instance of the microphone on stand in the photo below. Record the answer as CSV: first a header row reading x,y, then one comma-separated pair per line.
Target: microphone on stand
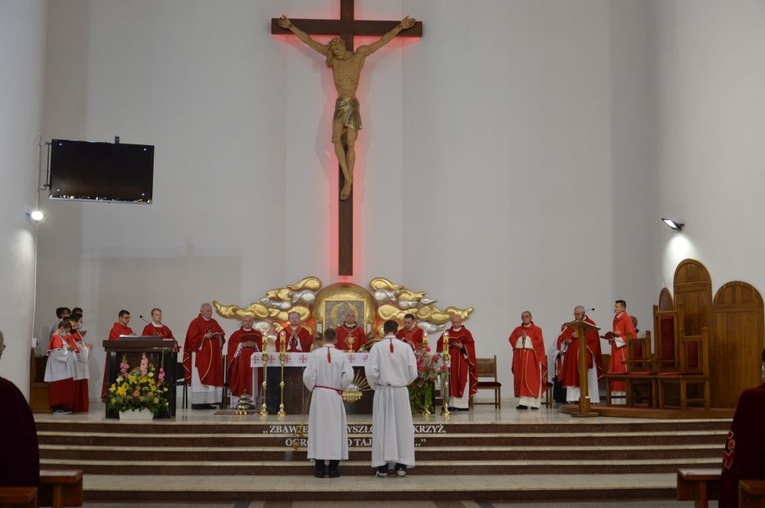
x,y
588,310
141,316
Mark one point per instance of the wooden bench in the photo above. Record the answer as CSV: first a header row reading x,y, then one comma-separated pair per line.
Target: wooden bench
x,y
18,496
698,485
60,487
751,493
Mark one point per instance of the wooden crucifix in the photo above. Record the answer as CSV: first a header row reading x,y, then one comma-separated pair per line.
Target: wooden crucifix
x,y
346,68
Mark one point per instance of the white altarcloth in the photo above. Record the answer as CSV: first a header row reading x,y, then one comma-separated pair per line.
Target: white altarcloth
x,y
327,371
389,373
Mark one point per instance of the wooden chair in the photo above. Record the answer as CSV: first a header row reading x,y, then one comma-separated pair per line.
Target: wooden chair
x,y
486,372
640,371
180,380
690,368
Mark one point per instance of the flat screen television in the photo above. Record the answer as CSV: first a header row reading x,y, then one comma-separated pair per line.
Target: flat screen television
x,y
86,171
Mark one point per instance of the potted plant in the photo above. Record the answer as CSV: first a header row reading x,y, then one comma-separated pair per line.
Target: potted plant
x,y
140,393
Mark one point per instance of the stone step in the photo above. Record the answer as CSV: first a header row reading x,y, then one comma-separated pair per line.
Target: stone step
x,y
362,467
419,485
223,454
423,440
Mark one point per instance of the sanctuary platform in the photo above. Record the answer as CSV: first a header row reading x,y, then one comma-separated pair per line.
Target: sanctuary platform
x,y
484,454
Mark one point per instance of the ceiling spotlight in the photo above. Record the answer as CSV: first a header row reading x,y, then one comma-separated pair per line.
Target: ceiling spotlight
x,y
36,215
673,224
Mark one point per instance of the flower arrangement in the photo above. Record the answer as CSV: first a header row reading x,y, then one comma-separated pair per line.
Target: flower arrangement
x,y
139,388
429,368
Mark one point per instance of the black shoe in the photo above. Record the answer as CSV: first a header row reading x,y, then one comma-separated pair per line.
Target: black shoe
x,y
319,472
334,473
382,471
400,470
521,406
534,408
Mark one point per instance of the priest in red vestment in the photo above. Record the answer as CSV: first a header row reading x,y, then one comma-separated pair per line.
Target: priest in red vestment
x,y
242,344
298,338
410,332
463,382
569,344
20,452
744,455
119,328
156,328
204,341
623,330
350,331
529,363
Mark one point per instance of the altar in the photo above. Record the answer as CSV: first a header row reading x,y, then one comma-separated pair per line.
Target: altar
x,y
296,397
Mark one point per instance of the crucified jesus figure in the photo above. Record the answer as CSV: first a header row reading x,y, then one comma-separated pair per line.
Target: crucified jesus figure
x,y
346,69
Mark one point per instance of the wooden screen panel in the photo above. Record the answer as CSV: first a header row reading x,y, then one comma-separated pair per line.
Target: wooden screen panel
x,y
665,300
740,337
693,289
693,294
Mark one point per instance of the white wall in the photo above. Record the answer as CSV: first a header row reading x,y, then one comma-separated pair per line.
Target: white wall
x,y
710,148
491,154
22,58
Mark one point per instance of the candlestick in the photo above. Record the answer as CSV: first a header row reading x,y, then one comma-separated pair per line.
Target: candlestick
x,y
445,345
282,340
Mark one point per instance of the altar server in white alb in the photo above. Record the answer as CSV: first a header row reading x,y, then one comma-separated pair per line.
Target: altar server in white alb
x,y
390,369
328,372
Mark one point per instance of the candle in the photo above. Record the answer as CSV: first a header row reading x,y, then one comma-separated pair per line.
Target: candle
x,y
369,327
282,339
425,337
446,342
319,327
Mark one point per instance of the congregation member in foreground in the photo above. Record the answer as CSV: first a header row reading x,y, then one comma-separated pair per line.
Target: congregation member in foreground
x,y
744,456
568,344
19,450
390,369
328,372
529,363
203,360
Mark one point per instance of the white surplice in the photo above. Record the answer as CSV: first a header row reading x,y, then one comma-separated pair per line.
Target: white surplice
x,y
389,373
327,373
